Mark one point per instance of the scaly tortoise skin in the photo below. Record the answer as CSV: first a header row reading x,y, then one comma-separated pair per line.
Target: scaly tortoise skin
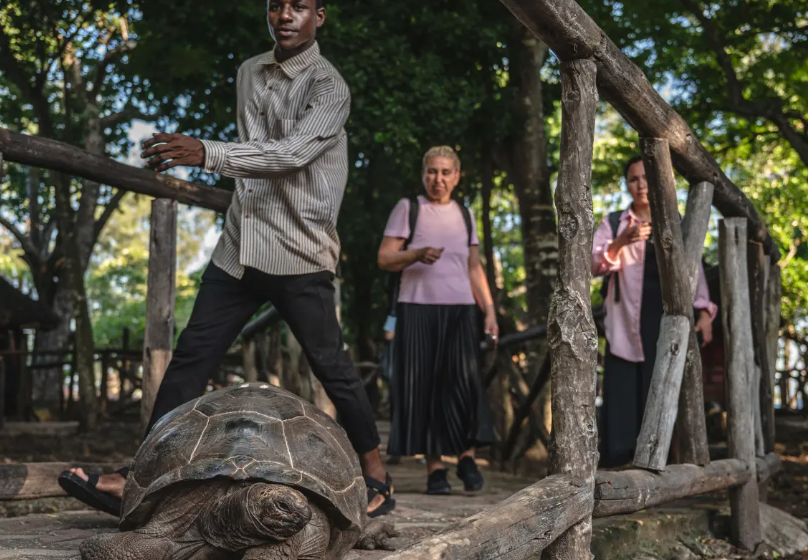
x,y
249,471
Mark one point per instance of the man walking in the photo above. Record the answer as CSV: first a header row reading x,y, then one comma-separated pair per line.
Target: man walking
x,y
280,241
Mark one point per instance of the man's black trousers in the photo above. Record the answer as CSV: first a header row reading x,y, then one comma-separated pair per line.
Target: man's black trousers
x,y
306,302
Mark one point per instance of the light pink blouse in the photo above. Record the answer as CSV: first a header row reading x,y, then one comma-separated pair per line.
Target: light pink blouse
x,y
623,317
446,281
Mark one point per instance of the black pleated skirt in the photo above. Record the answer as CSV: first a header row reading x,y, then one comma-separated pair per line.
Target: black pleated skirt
x,y
439,401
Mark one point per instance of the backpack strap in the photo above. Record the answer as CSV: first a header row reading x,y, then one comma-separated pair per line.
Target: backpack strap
x,y
413,217
466,220
614,221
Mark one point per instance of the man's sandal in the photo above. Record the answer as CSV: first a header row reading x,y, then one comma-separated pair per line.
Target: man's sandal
x,y
377,488
86,491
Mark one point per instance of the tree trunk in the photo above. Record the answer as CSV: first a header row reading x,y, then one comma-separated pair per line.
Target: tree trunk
x,y
47,383
531,179
488,234
74,276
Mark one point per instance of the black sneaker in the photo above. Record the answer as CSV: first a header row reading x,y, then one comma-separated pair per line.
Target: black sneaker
x,y
437,483
471,476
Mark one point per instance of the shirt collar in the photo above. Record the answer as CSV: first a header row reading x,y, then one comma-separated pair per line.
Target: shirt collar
x,y
629,213
292,67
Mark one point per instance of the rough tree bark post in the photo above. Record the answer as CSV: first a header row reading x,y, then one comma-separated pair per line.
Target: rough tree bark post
x,y
773,291
158,341
662,405
739,373
572,336
757,270
693,444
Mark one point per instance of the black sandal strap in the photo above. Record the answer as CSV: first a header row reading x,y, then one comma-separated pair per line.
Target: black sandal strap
x,y
124,472
379,487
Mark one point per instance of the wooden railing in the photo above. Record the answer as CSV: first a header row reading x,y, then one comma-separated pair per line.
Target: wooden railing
x,y
556,512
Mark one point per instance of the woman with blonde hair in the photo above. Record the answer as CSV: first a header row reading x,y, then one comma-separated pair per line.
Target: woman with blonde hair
x,y
439,403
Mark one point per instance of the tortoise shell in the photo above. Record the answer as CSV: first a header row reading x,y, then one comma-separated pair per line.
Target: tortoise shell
x,y
254,431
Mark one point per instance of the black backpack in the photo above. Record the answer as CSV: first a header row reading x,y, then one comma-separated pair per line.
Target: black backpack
x,y
394,280
614,222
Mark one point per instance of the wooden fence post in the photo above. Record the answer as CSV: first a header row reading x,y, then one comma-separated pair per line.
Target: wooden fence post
x,y
691,421
773,303
158,341
250,366
739,359
760,387
572,335
662,404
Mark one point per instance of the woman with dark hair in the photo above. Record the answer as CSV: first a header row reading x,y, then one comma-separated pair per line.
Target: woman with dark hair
x,y
624,252
439,403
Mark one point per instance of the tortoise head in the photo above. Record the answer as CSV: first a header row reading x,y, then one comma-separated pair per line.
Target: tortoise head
x,y
280,510
253,513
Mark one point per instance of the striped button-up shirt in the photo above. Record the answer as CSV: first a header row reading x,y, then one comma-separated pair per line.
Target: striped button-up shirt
x,y
290,165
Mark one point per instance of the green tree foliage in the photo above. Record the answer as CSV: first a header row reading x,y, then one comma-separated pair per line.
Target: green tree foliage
x,y
118,273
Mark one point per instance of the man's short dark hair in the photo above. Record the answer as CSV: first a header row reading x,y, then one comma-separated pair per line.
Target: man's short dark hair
x,y
320,4
631,162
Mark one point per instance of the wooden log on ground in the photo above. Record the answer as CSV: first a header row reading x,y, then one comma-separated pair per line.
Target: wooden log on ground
x,y
571,33
572,335
27,481
37,151
662,405
773,303
619,492
739,358
158,342
517,528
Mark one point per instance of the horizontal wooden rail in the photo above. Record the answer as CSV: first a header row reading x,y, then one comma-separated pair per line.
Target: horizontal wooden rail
x,y
620,492
264,320
567,29
37,151
768,466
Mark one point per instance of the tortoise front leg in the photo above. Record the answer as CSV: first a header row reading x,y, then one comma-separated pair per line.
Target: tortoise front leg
x,y
133,545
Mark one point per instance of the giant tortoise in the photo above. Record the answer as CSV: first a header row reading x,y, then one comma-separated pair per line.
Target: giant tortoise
x,y
248,472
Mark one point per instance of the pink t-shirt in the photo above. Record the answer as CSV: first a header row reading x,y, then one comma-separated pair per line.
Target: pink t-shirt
x,y
446,281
